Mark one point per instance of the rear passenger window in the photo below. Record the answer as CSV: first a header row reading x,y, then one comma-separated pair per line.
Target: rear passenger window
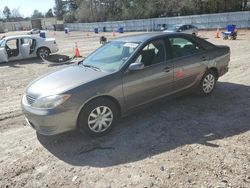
x,y
26,41
183,47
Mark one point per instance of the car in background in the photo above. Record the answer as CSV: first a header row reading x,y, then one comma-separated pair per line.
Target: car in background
x,y
34,31
187,28
163,27
26,46
120,76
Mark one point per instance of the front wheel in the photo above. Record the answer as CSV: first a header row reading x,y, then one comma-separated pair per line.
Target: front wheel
x,y
208,83
43,52
98,117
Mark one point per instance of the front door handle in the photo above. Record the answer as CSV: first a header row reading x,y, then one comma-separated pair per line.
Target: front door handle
x,y
167,69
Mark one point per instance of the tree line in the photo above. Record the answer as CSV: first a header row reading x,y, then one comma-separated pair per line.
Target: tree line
x,y
15,15
109,10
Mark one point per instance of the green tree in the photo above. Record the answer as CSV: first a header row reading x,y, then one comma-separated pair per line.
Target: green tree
x,y
49,14
37,14
69,17
59,9
104,10
72,5
15,13
6,12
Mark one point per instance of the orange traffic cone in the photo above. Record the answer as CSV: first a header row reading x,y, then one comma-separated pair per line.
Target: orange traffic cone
x,y
217,33
77,51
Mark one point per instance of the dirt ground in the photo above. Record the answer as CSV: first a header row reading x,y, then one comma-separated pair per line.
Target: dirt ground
x,y
187,141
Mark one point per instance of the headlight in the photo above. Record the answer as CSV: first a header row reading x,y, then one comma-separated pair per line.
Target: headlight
x,y
50,102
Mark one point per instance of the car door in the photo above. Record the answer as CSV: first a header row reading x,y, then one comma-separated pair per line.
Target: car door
x,y
151,82
25,47
3,53
12,47
189,60
188,29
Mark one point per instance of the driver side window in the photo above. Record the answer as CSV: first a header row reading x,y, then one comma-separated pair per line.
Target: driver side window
x,y
153,53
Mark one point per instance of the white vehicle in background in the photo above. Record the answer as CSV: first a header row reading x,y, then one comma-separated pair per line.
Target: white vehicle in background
x,y
187,28
34,31
26,46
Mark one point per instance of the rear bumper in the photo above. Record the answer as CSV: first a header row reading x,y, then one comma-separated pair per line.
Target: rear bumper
x,y
54,49
223,71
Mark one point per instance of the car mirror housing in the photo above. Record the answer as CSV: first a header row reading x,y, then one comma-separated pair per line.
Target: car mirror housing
x,y
136,66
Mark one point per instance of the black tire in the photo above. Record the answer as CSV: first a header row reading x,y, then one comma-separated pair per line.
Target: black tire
x,y
207,83
43,52
85,119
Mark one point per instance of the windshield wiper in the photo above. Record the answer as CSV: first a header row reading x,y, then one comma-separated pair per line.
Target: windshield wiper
x,y
91,66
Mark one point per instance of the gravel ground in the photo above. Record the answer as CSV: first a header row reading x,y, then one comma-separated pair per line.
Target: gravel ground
x,y
187,141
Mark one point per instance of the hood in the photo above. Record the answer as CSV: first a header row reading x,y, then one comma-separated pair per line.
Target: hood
x,y
62,80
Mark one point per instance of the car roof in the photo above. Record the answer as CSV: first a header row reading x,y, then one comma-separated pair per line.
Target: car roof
x,y
20,36
139,38
179,25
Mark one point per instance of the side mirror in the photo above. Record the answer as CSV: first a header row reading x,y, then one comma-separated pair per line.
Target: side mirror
x,y
136,66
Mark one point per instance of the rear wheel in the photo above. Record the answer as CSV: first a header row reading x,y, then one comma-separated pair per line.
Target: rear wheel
x,y
43,52
208,83
98,117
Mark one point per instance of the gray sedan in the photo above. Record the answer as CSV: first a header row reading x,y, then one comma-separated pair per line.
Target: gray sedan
x,y
189,29
120,76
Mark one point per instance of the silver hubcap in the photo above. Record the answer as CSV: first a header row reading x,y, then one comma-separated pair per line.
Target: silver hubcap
x,y
100,119
208,83
43,53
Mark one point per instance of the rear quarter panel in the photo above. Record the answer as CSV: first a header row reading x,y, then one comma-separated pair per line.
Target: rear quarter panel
x,y
220,58
49,43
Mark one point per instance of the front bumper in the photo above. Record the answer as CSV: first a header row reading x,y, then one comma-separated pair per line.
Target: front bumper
x,y
50,122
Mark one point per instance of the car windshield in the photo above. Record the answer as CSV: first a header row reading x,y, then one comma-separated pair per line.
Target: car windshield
x,y
111,56
173,27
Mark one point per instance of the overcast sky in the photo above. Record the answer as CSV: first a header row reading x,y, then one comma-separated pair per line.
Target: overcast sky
x,y
26,7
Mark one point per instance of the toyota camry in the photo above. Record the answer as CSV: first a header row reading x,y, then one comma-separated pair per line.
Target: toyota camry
x,y
120,76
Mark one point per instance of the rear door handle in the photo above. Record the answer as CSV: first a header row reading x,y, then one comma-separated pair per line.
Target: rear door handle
x,y
204,58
